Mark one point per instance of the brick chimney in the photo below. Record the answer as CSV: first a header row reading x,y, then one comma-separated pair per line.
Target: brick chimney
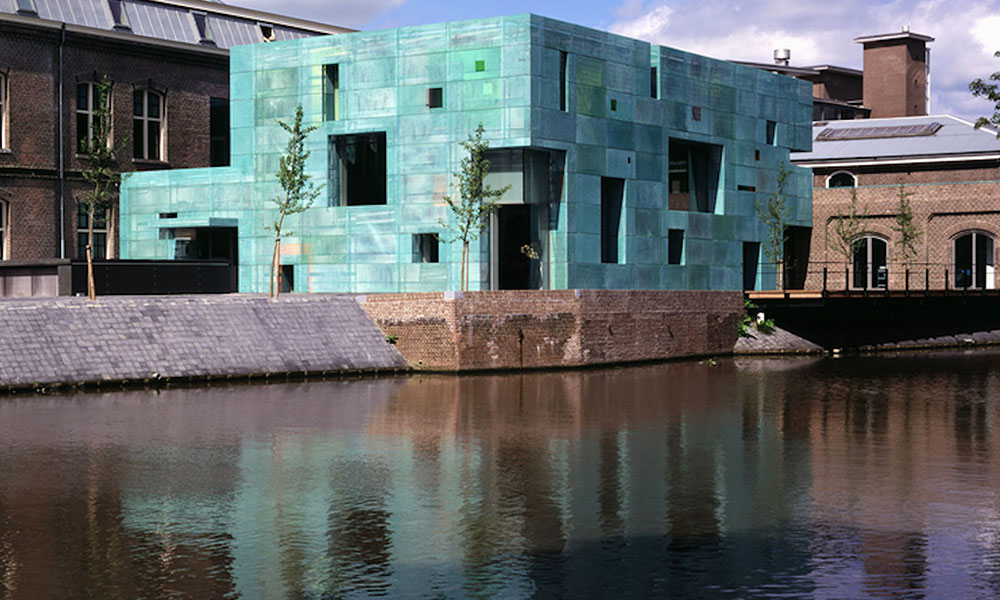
x,y
895,74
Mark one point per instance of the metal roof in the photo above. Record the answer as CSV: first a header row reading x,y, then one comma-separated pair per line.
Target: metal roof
x,y
953,138
171,20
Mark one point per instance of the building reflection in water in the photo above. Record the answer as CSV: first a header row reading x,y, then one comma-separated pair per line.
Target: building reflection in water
x,y
828,478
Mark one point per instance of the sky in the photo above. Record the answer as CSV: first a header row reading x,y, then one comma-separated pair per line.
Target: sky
x,y
817,32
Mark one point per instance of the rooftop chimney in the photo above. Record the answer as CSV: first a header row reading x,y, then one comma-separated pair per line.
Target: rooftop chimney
x,y
895,73
782,56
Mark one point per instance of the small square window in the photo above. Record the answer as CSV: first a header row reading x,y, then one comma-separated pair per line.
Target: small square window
x,y
695,113
425,248
480,66
614,105
435,97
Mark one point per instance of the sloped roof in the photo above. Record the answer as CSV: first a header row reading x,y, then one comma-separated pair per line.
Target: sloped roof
x,y
170,20
917,139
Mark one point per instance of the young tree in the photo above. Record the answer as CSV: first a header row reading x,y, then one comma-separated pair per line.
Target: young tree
x,y
476,202
907,230
990,91
299,191
774,214
847,228
99,156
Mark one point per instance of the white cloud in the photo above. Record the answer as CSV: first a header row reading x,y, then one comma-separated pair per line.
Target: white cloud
x,y
822,32
346,13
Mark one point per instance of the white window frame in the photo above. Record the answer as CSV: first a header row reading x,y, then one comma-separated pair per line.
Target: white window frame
x,y
82,229
871,274
989,268
4,111
4,230
145,120
842,172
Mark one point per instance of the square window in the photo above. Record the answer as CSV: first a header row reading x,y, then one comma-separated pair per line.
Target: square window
x,y
480,66
357,174
435,97
425,248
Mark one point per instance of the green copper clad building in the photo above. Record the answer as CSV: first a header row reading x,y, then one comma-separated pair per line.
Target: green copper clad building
x,y
631,165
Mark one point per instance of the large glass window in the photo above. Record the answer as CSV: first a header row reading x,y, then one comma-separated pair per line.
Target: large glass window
x,y
147,125
100,232
357,169
693,176
89,103
974,261
871,270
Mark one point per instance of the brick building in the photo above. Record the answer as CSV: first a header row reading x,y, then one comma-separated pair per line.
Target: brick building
x,y
947,170
168,61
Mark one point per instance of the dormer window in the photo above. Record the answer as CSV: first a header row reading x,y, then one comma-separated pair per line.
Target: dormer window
x,y
26,7
119,14
204,28
266,31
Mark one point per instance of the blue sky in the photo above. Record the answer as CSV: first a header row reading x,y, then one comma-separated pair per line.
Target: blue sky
x,y
817,31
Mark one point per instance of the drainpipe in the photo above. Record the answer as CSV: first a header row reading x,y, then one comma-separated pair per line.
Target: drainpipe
x,y
62,150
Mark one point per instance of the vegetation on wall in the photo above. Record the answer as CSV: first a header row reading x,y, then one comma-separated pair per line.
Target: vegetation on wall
x,y
476,200
299,192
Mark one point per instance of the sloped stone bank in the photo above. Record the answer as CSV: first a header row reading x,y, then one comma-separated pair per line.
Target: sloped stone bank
x,y
68,341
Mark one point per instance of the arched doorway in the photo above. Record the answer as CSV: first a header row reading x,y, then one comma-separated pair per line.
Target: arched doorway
x,y
871,270
974,261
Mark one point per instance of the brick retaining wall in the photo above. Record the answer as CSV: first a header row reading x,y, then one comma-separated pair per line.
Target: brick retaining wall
x,y
121,338
514,329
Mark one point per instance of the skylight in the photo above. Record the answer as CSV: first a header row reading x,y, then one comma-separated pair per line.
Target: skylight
x,y
831,134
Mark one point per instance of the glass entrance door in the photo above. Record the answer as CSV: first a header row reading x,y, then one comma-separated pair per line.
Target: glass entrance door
x,y
871,271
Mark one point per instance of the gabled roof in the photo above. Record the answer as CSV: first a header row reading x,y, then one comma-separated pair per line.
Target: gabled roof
x,y
171,20
933,138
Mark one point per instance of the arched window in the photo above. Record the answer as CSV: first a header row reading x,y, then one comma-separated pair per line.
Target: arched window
x,y
147,125
974,261
871,271
841,179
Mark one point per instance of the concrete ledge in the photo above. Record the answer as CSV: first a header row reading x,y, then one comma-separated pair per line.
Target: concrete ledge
x,y
560,328
69,341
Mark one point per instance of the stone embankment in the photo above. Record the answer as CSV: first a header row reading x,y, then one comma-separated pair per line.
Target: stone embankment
x,y
515,329
68,341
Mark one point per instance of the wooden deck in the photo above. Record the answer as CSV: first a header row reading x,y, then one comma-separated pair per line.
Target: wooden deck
x,y
821,294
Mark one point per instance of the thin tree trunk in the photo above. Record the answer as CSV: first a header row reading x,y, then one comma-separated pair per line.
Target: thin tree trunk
x,y
465,266
276,258
91,292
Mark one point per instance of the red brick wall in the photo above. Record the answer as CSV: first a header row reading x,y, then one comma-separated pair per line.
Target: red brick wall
x,y
942,210
523,329
28,171
895,80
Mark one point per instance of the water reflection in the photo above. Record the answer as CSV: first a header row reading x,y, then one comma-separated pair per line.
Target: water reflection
x,y
858,477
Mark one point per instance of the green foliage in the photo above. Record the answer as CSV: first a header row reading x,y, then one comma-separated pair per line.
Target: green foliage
x,y
847,228
99,158
766,326
476,201
392,339
299,191
990,91
749,321
908,231
774,213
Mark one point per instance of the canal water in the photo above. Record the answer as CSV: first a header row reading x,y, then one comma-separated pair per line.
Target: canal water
x,y
857,477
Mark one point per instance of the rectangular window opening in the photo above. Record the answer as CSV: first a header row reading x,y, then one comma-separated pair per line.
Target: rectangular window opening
x,y
771,128
331,92
218,129
563,81
99,249
693,175
612,193
168,215
480,66
746,188
751,261
614,105
435,97
204,28
3,111
357,169
425,248
696,113
675,246
26,6
287,276
654,83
